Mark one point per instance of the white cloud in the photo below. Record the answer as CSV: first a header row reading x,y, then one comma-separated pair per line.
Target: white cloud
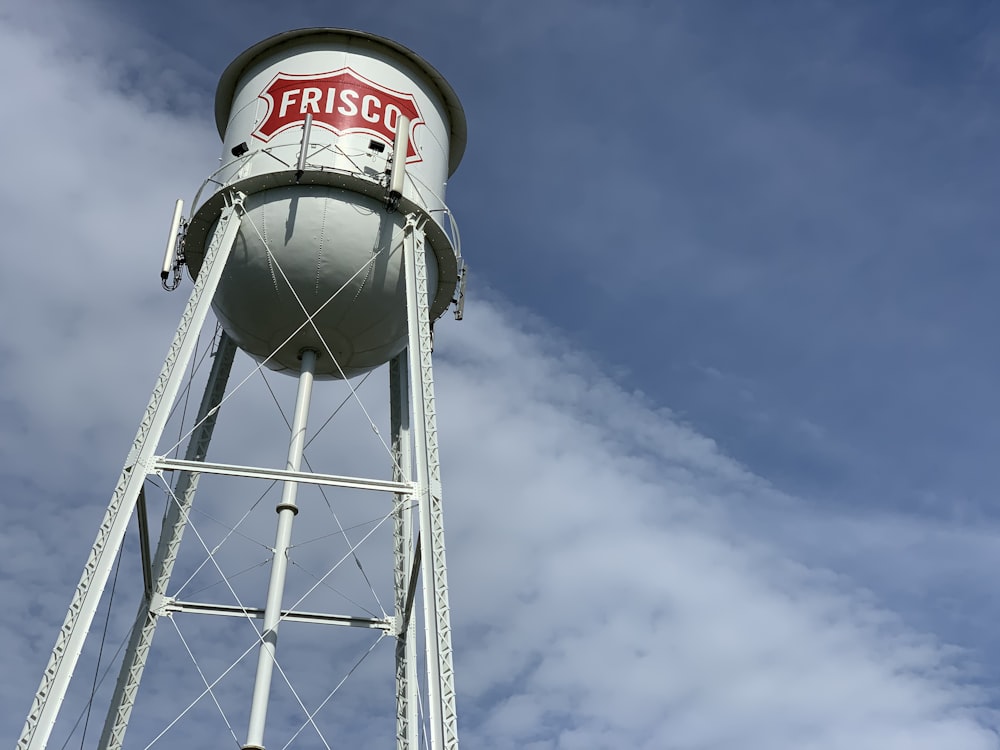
x,y
614,583
610,586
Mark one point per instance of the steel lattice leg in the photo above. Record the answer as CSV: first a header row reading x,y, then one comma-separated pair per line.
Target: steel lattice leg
x,y
174,522
440,671
406,627
69,643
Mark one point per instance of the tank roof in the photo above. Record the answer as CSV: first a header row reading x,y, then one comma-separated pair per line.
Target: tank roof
x,y
232,74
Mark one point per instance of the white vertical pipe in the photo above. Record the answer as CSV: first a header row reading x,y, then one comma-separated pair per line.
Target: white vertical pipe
x,y
287,509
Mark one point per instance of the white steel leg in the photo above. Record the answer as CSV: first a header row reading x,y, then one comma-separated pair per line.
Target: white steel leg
x,y
69,643
407,727
174,522
287,510
437,618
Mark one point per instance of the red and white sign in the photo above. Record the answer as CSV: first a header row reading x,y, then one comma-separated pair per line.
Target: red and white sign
x,y
341,101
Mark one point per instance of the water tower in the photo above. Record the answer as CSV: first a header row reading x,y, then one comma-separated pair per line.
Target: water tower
x,y
324,246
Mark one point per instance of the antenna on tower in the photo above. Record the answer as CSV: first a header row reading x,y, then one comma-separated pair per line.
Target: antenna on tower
x,y
304,149
173,256
397,171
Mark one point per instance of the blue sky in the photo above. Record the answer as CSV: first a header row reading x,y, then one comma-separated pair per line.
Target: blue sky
x,y
727,365
807,209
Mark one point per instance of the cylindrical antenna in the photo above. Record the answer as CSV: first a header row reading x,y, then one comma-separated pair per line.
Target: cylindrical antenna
x,y
397,175
171,250
306,127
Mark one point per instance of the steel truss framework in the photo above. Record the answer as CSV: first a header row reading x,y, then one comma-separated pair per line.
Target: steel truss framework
x,y
418,553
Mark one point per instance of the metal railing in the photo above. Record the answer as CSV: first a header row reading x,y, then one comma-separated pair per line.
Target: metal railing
x,y
287,156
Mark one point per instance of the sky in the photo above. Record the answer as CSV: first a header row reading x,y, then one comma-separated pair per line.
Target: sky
x,y
717,430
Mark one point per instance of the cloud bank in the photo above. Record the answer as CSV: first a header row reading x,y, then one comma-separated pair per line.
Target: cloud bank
x,y
610,585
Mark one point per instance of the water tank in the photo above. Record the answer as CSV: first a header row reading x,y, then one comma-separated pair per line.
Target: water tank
x,y
317,263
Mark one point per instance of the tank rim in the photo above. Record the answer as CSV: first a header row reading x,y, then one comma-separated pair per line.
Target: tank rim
x,y
232,74
197,235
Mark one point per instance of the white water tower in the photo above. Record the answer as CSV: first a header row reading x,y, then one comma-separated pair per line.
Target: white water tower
x,y
324,246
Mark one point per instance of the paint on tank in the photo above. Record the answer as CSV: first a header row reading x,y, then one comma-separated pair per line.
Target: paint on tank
x,y
318,260
342,101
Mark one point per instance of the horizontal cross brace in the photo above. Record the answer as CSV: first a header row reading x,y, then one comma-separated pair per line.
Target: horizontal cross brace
x,y
283,475
289,615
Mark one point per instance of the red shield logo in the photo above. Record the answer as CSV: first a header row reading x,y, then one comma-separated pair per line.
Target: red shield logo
x,y
341,101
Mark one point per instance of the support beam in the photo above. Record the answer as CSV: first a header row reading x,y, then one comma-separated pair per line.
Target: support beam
x,y
411,589
171,533
86,598
287,615
404,558
437,617
145,559
285,475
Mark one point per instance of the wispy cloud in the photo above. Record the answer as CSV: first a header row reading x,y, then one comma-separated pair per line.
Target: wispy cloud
x,y
618,580
617,569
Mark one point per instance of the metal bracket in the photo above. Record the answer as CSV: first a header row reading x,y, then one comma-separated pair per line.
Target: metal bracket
x,y
160,605
459,300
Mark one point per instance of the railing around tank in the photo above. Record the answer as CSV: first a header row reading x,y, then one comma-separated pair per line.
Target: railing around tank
x,y
287,156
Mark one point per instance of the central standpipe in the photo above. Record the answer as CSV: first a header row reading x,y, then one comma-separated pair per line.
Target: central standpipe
x,y
287,510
